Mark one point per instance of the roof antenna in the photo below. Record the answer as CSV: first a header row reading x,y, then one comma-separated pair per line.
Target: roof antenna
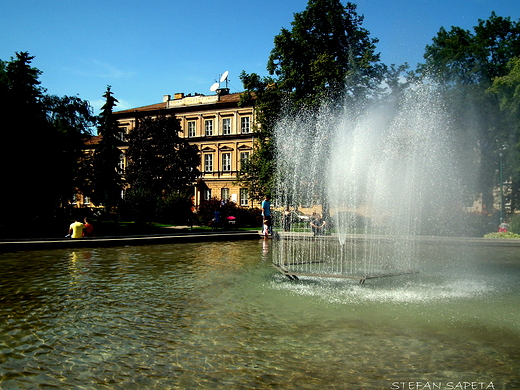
x,y
216,86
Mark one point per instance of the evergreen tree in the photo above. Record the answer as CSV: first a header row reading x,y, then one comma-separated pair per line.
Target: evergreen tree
x,y
26,163
42,144
107,180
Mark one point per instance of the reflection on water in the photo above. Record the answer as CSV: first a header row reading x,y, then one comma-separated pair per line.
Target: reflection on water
x,y
217,315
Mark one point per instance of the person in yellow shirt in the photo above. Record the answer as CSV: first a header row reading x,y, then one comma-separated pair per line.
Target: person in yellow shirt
x,y
76,229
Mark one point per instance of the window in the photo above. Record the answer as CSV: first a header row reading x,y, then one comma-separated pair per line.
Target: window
x,y
226,126
208,125
192,126
121,164
244,156
244,195
245,125
224,194
207,194
208,163
226,162
123,131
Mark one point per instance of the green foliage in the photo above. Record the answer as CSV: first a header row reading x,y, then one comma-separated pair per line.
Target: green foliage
x,y
143,206
158,158
466,63
39,164
257,172
325,56
325,47
72,119
502,235
176,209
514,225
108,182
507,90
140,205
244,216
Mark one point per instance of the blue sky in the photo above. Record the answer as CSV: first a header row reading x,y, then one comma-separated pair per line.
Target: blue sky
x,y
147,49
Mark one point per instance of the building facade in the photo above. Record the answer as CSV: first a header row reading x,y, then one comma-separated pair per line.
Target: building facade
x,y
221,130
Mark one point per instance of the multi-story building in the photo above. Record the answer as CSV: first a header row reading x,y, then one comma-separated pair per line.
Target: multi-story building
x,y
221,130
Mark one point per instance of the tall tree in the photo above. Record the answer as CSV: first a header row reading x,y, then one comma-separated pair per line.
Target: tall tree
x,y
42,142
326,51
108,181
325,56
507,89
159,159
256,172
72,119
25,162
466,63
161,168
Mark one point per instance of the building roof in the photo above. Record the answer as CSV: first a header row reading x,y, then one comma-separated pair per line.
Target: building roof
x,y
94,140
229,98
151,107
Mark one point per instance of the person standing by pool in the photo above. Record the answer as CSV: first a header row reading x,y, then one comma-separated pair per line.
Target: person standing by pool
x,y
318,225
266,213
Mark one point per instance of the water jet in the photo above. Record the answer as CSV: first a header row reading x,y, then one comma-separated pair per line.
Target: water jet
x,y
377,174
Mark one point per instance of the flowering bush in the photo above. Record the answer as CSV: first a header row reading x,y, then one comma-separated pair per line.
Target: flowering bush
x,y
502,235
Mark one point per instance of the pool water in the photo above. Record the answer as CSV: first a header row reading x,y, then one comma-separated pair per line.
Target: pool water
x,y
218,315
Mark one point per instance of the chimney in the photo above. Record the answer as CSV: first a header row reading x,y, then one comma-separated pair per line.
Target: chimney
x,y
166,98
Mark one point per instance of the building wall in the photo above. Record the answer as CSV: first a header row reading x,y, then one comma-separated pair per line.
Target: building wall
x,y
222,132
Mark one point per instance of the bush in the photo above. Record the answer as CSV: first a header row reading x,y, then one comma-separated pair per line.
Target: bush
x,y
502,235
176,209
140,205
206,211
514,225
243,216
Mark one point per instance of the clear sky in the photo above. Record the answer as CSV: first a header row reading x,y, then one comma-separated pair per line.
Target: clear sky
x,y
147,49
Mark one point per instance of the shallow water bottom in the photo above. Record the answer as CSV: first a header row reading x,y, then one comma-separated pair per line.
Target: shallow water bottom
x,y
217,315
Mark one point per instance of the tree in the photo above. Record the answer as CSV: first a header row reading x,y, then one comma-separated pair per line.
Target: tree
x,y
159,159
108,182
507,89
326,51
162,166
27,162
466,63
41,145
72,119
325,56
256,172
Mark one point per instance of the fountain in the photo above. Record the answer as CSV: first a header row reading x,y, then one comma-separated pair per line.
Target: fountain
x,y
214,315
377,174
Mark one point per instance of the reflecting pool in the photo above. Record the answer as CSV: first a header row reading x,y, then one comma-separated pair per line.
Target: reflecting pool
x,y
218,315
